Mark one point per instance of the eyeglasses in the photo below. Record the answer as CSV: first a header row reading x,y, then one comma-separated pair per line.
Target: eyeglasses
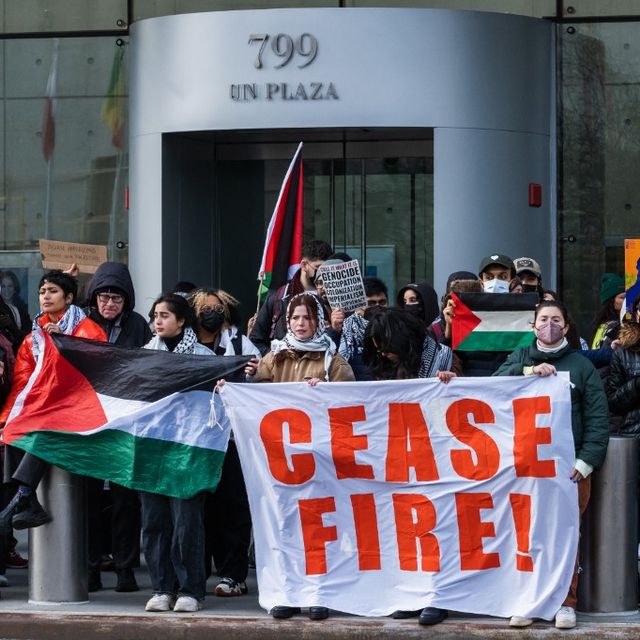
x,y
110,297
218,308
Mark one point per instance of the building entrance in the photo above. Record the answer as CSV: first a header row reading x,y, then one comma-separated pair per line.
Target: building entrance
x,y
368,193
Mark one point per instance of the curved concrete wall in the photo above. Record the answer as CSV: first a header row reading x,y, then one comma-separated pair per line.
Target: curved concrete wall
x,y
482,81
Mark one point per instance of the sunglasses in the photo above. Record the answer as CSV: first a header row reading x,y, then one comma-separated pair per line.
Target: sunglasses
x,y
110,297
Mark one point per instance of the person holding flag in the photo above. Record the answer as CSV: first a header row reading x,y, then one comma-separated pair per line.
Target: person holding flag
x,y
173,528
58,314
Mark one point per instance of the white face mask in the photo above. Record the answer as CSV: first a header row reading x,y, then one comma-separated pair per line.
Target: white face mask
x,y
496,286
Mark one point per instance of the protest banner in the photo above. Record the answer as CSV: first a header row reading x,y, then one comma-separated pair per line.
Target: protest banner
x,y
61,255
368,498
343,285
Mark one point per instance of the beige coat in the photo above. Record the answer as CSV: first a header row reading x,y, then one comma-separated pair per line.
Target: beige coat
x,y
300,366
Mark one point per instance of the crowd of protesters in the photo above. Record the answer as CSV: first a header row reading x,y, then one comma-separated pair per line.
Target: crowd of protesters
x,y
295,337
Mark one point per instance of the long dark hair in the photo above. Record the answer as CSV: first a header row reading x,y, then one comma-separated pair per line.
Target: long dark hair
x,y
398,332
606,313
177,305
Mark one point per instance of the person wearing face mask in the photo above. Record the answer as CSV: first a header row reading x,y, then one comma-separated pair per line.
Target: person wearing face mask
x,y
529,272
496,272
549,353
420,300
227,520
270,322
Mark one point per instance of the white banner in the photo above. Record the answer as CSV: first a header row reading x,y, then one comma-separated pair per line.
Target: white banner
x,y
372,497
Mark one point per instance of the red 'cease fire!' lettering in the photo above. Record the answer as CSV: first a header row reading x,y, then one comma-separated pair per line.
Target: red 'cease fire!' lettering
x,y
409,443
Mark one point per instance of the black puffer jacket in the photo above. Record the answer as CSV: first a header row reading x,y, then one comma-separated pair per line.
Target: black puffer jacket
x,y
623,383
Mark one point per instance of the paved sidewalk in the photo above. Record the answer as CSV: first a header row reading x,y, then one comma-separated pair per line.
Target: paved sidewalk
x,y
121,615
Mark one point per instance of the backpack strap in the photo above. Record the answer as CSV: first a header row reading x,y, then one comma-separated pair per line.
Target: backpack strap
x,y
237,344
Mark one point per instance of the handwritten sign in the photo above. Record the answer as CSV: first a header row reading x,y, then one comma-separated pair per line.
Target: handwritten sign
x,y
61,255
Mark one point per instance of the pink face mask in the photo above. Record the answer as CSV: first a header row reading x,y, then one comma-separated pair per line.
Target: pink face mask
x,y
550,332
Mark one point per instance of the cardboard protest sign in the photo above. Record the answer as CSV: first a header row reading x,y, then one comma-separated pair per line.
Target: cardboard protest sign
x,y
343,284
403,494
61,255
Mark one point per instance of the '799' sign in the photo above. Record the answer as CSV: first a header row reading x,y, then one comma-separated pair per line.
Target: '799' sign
x,y
302,49
284,46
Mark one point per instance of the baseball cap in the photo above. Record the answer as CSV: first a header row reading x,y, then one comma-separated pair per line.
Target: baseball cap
x,y
495,258
527,264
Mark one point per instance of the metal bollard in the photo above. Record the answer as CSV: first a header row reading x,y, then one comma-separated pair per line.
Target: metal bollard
x,y
609,543
58,558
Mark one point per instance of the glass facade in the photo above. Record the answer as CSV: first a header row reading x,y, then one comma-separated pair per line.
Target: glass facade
x,y
64,157
599,156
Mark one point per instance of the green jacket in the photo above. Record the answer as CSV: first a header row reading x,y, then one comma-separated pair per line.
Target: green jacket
x,y
589,409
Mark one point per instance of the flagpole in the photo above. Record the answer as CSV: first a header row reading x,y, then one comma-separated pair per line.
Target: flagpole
x,y
47,202
259,292
114,205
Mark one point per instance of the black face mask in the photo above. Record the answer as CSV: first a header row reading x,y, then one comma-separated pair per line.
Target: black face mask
x,y
416,310
532,288
211,321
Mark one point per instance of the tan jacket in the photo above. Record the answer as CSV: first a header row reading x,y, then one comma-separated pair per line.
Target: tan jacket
x,y
298,367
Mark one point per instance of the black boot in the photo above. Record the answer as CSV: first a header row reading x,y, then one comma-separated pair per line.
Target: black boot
x,y
95,582
31,514
126,581
18,502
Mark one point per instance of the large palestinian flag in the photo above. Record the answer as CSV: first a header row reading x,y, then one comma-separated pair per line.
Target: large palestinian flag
x,y
138,417
283,243
492,321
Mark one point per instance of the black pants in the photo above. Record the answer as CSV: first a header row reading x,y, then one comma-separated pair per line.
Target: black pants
x,y
113,524
173,543
30,470
227,522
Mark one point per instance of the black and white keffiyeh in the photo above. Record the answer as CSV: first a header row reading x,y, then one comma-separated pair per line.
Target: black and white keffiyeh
x,y
72,317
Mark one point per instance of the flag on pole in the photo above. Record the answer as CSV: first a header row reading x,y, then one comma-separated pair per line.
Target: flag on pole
x,y
138,417
492,321
113,107
48,120
283,243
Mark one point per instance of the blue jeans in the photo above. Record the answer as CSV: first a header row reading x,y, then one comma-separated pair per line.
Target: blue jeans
x,y
173,543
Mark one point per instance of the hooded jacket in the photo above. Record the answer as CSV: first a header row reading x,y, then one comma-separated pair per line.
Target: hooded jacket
x,y
428,296
589,414
130,329
623,382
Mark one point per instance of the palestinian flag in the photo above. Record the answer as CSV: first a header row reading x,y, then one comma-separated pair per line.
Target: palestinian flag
x,y
138,417
283,244
492,321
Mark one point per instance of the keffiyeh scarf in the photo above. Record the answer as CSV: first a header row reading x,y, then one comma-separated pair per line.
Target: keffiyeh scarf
x,y
72,317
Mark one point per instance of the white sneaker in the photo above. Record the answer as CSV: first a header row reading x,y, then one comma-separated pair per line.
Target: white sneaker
x,y
518,621
160,602
4,581
565,618
187,604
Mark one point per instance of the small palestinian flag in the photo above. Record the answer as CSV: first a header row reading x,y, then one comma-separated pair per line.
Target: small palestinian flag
x,y
137,417
283,243
493,321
